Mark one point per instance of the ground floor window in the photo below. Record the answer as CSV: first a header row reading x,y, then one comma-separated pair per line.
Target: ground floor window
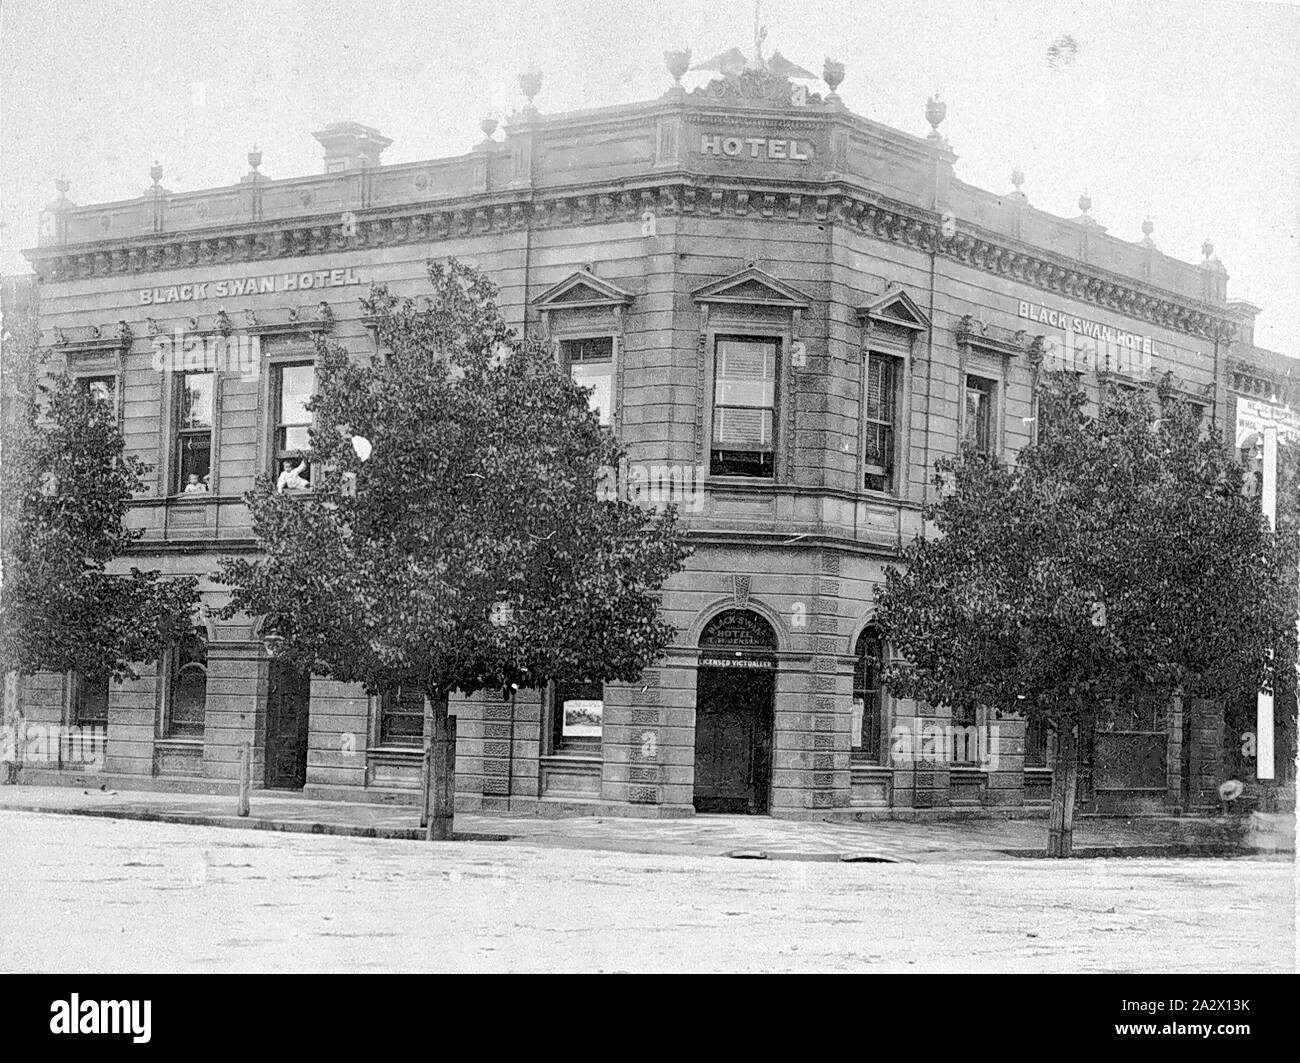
x,y
868,697
1036,738
578,711
401,716
89,701
188,688
965,738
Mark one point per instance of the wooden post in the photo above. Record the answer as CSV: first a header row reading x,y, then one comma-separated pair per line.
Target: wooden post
x,y
245,776
426,781
1065,779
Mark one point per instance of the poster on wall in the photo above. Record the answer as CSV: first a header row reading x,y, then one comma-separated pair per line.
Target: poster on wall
x,y
582,719
1253,415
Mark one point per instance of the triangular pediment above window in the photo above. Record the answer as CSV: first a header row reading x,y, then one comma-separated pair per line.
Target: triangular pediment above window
x,y
895,307
582,289
753,287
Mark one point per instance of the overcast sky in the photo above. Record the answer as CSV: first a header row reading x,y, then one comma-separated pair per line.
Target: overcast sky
x,y
1187,112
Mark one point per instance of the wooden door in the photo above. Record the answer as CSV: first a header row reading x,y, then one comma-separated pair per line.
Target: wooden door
x,y
287,714
733,740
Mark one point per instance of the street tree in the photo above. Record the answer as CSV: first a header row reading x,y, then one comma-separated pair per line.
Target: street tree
x,y
1118,561
458,534
67,602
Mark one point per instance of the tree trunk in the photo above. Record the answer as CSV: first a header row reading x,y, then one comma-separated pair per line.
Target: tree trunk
x,y
441,778
1065,786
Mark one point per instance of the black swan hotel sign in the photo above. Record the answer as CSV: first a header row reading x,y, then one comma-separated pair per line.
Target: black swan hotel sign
x,y
263,284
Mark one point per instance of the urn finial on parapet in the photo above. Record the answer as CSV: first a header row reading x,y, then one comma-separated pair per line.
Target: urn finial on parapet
x,y
1207,248
1017,178
489,126
255,158
678,61
833,75
1148,227
935,112
530,84
1085,201
156,171
61,185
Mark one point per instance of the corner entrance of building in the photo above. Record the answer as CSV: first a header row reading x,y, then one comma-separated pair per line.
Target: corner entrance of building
x,y
734,695
287,711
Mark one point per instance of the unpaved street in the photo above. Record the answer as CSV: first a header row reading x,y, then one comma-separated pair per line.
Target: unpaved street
x,y
108,895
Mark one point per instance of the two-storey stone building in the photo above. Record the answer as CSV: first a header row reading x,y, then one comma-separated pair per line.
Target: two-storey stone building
x,y
786,311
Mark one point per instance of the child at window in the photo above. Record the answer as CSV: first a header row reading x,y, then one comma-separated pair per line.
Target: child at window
x,y
291,478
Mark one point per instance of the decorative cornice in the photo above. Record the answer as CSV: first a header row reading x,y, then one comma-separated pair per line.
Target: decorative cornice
x,y
582,290
971,332
1257,382
894,307
879,217
752,286
307,319
90,339
1170,385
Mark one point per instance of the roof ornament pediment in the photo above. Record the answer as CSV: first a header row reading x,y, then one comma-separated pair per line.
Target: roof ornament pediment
x,y
752,286
580,290
759,79
895,307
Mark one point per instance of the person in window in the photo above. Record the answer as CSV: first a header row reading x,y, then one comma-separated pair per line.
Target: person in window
x,y
195,486
291,478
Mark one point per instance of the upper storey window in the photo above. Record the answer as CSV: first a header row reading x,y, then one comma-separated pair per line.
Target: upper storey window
x,y
890,323
978,418
881,422
590,361
744,406
293,387
584,317
194,423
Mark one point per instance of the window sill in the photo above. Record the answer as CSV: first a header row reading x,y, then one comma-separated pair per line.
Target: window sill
x,y
399,752
573,756
192,498
722,480
180,742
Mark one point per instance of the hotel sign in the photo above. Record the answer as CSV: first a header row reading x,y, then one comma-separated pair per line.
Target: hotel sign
x,y
789,150
265,284
1090,346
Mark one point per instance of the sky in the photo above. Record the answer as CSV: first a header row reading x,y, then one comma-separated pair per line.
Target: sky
x,y
1185,112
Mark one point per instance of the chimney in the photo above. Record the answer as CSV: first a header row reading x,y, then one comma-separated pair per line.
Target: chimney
x,y
351,146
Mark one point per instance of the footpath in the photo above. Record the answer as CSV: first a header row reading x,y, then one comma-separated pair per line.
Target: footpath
x,y
740,837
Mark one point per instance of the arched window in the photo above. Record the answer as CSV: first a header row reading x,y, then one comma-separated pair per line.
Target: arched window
x,y
868,698
189,688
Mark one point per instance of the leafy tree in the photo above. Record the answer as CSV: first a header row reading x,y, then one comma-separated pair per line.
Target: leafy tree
x,y
472,550
67,485
1119,560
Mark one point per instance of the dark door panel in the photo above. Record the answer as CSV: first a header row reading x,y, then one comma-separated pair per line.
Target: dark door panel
x,y
733,740
287,716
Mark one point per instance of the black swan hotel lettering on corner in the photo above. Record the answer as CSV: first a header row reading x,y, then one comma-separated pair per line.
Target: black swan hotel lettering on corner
x,y
808,306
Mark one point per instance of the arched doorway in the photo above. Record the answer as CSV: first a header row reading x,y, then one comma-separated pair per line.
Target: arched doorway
x,y
734,693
